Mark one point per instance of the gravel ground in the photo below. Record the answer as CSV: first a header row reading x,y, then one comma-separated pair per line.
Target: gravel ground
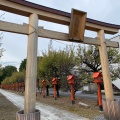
x,y
7,109
64,103
99,117
91,112
47,112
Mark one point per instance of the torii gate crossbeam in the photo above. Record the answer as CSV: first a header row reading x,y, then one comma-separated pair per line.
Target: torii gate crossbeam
x,y
24,29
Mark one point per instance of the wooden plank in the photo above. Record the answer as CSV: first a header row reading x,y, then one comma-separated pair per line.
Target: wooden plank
x,y
15,28
83,104
77,25
26,10
23,29
95,27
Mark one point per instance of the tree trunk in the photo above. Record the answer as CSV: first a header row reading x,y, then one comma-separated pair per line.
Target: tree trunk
x,y
57,89
47,90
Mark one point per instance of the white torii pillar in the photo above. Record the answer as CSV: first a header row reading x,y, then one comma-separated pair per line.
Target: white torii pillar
x,y
31,68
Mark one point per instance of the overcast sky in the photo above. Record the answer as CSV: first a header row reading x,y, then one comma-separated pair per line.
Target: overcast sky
x,y
15,45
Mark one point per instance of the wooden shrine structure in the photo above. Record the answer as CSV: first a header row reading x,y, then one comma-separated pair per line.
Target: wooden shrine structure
x,y
37,12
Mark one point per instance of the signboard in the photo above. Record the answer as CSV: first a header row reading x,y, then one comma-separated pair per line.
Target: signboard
x,y
77,25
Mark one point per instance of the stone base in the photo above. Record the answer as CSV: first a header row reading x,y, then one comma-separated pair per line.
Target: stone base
x,y
111,110
30,116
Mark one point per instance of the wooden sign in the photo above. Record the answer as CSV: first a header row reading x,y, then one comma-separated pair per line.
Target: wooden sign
x,y
77,25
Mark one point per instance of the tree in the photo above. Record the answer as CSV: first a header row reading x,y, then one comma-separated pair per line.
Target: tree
x,y
115,72
24,62
22,65
1,37
89,58
56,64
8,71
17,77
1,54
6,81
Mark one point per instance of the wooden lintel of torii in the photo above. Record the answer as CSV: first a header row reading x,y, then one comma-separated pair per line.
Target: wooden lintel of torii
x,y
25,8
24,29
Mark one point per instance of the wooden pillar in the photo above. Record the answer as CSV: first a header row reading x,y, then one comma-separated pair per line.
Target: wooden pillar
x,y
99,97
72,94
43,90
55,96
31,67
105,67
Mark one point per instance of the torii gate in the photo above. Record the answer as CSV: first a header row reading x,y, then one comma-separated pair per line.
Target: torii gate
x,y
36,12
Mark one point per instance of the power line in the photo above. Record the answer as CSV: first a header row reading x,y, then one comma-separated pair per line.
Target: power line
x,y
50,39
2,15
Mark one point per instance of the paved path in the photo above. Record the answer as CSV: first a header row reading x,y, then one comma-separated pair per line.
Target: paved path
x,y
79,94
47,112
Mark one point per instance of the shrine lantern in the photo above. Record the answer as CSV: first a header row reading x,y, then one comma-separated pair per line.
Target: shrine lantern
x,y
71,79
54,81
43,87
97,76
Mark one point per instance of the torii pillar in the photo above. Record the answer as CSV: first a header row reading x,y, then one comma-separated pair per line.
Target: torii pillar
x,y
30,113
105,67
110,106
31,68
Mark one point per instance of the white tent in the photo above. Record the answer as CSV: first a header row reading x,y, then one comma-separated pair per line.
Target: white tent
x,y
116,83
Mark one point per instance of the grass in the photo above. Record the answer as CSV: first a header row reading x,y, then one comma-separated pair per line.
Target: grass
x,y
7,109
65,104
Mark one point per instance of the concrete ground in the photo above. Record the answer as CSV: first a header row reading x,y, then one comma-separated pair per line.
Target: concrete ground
x,y
47,112
79,94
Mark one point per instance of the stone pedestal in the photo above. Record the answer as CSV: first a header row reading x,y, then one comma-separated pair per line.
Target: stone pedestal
x,y
111,110
30,116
